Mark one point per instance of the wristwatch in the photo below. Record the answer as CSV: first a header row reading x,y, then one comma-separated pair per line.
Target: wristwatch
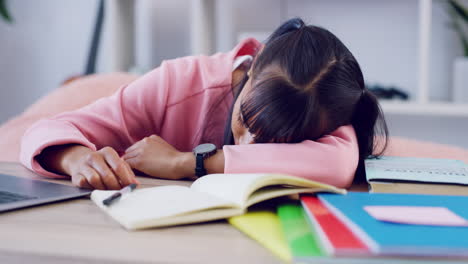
x,y
201,153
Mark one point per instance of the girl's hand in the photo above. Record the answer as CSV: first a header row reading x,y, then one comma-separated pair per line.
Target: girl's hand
x,y
102,169
155,157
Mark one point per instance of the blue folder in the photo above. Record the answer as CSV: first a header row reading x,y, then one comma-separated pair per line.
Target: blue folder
x,y
386,238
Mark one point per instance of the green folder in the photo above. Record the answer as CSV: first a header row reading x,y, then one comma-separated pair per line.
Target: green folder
x,y
300,235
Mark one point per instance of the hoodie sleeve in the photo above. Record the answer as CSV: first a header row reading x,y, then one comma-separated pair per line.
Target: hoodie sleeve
x,y
141,108
134,111
332,159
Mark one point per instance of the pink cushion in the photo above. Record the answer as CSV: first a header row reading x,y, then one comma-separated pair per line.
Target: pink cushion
x,y
90,88
78,93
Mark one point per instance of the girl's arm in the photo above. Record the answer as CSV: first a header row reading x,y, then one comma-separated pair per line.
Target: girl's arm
x,y
116,121
332,159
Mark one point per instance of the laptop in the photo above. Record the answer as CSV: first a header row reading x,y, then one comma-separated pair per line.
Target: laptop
x,y
16,192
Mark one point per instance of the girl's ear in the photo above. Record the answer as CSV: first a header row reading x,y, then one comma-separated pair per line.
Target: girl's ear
x,y
246,138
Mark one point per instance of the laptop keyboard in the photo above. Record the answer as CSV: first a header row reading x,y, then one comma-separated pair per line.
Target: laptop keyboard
x,y
8,197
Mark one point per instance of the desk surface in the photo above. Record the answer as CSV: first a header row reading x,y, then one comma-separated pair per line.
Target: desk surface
x,y
77,231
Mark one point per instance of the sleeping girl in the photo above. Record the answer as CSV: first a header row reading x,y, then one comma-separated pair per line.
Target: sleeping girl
x,y
296,104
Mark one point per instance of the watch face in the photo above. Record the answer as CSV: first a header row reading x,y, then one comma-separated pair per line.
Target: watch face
x,y
204,148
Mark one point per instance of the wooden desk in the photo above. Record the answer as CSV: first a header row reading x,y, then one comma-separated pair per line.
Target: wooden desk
x,y
77,231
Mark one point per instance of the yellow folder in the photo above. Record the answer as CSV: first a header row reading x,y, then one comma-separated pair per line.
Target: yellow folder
x,y
265,228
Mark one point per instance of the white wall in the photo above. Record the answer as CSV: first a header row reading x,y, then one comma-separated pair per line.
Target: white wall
x,y
162,31
445,130
46,44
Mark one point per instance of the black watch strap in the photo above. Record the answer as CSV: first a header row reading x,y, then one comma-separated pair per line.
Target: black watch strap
x,y
202,152
200,165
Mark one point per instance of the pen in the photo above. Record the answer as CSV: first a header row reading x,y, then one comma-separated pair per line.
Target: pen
x,y
118,194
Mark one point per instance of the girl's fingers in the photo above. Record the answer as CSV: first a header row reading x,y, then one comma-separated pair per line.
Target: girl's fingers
x,y
134,146
80,181
130,171
132,162
124,174
132,154
93,178
85,184
137,164
109,179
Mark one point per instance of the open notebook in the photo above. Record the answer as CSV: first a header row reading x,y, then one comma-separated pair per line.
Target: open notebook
x,y
211,197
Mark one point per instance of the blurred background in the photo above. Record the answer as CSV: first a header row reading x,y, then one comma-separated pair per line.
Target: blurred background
x,y
409,49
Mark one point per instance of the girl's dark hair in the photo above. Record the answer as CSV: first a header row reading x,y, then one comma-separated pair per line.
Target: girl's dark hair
x,y
306,84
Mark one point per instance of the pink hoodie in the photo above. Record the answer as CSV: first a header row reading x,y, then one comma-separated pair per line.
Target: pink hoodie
x,y
175,102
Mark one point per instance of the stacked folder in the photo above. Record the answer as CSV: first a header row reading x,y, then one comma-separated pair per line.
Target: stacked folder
x,y
364,228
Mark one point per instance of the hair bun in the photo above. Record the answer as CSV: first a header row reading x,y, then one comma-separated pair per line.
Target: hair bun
x,y
291,25
298,23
